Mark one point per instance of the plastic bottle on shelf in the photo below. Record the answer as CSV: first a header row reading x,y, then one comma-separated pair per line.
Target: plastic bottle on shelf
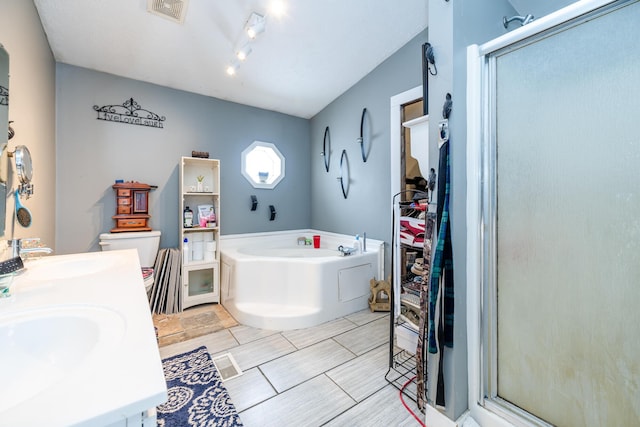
x,y
185,251
188,217
211,221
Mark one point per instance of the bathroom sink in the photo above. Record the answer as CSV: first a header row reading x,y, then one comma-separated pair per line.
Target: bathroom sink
x,y
43,347
44,269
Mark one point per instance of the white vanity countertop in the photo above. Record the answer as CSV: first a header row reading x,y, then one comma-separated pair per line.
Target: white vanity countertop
x,y
118,371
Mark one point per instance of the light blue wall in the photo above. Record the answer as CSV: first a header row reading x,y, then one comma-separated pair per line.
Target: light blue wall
x,y
368,205
92,153
453,26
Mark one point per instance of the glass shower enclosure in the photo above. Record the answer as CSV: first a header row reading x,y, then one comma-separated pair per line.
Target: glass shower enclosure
x,y
554,220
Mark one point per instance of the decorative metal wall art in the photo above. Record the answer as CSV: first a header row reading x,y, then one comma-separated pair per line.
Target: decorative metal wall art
x,y
131,113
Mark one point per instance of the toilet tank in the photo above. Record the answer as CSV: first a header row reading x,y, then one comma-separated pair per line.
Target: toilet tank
x,y
146,242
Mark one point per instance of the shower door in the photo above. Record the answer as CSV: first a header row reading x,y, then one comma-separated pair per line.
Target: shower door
x,y
561,214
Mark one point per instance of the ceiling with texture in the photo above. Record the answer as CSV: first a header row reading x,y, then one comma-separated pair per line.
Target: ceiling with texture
x,y
302,62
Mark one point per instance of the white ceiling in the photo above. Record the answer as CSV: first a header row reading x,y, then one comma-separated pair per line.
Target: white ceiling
x,y
302,62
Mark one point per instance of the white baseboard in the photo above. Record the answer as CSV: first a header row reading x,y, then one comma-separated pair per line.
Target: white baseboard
x,y
435,418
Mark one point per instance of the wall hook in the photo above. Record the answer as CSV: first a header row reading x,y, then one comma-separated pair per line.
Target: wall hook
x,y
429,56
443,131
272,209
254,202
446,108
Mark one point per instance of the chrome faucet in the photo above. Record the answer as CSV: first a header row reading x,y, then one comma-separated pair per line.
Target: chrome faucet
x,y
27,246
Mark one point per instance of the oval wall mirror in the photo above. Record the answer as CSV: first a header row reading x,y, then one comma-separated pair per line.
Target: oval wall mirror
x,y
344,173
365,135
24,166
326,148
24,169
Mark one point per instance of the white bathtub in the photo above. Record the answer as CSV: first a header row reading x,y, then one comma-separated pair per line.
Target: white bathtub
x,y
269,282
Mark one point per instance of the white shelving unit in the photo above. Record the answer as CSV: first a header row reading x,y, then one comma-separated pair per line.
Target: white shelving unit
x,y
420,141
201,274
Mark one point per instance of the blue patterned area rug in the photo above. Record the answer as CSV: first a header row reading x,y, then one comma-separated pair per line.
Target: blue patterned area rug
x,y
196,394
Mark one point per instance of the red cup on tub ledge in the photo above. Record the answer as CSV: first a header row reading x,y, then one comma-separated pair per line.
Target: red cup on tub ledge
x,y
316,241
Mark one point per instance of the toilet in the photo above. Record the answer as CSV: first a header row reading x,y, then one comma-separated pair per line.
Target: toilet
x,y
146,242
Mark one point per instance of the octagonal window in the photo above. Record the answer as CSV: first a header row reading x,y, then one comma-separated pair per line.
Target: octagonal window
x,y
262,165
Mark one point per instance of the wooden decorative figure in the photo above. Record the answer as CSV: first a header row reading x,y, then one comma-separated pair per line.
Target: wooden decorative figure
x,y
380,298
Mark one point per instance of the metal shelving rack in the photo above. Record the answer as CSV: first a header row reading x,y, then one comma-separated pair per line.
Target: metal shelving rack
x,y
402,359
402,369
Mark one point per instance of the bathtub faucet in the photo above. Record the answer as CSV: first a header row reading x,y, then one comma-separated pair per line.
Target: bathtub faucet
x,y
345,251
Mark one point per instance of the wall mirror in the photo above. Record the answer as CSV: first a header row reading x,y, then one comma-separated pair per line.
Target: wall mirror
x,y
24,169
263,165
344,177
326,148
365,135
4,133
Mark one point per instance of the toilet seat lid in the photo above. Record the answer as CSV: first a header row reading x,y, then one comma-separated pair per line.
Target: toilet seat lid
x,y
129,235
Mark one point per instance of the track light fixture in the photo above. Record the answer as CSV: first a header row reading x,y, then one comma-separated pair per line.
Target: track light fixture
x,y
231,69
255,25
243,52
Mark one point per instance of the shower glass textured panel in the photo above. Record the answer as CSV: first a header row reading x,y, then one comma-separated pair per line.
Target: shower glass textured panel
x,y
568,223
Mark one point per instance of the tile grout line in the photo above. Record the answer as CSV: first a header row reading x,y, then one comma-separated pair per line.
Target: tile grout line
x,y
355,402
355,326
332,337
325,373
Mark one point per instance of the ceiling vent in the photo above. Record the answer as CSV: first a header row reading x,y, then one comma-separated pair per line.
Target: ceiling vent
x,y
174,10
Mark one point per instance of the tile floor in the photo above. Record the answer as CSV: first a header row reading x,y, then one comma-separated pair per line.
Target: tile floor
x,y
329,375
191,323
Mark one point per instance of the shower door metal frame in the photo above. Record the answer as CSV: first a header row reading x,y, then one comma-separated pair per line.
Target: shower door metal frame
x,y
485,405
